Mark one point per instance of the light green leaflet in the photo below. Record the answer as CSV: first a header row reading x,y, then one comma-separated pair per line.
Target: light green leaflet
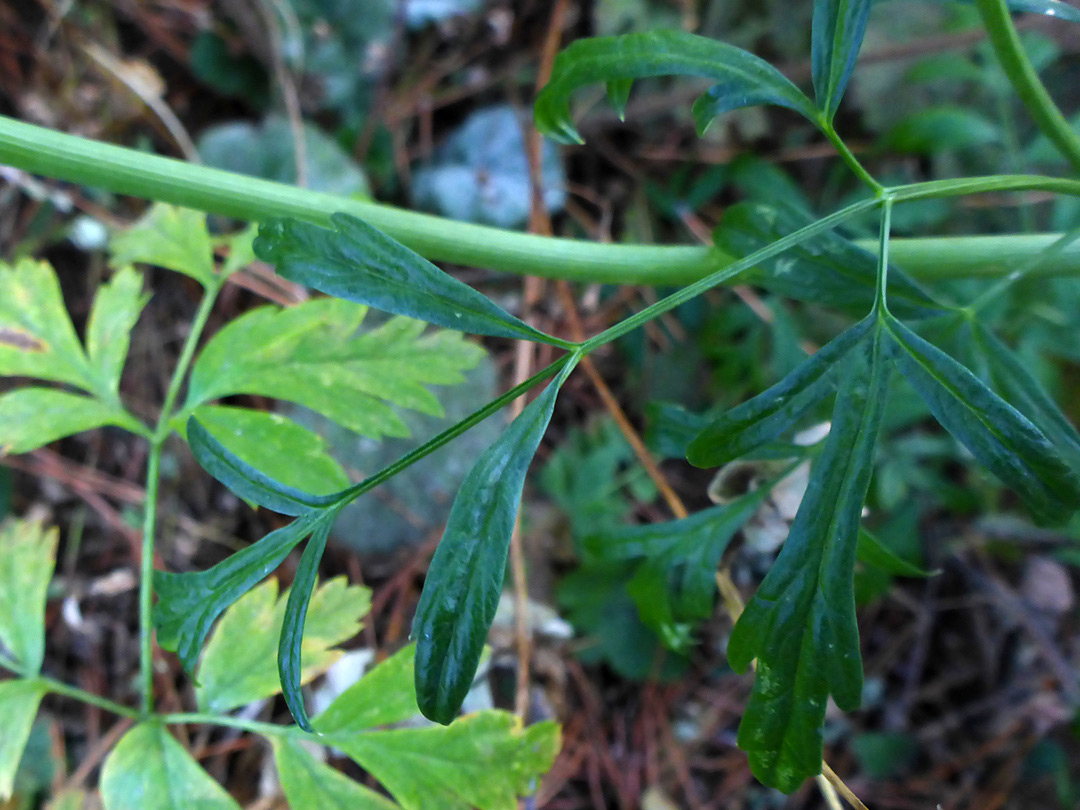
x,y
169,237
385,695
149,770
27,555
33,417
19,701
740,78
238,664
312,785
311,354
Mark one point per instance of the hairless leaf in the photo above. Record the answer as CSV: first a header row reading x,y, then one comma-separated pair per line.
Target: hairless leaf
x,y
27,556
800,624
117,306
872,552
360,263
33,417
1048,8
741,79
771,413
838,30
314,785
465,579
246,481
827,269
188,604
386,694
290,666
19,701
169,237
999,436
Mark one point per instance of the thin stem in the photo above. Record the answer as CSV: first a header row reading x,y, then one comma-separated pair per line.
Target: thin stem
x,y
153,480
881,302
726,274
254,726
1025,79
849,158
61,688
127,171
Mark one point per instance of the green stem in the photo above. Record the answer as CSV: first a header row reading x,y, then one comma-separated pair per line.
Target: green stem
x,y
881,299
128,171
228,721
153,480
849,158
61,688
1025,80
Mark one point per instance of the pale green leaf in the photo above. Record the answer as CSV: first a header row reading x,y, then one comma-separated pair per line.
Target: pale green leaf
x,y
485,760
385,695
739,78
169,237
241,250
461,592
36,335
117,306
19,701
27,556
238,665
313,785
33,417
149,770
312,355
800,624
359,263
276,446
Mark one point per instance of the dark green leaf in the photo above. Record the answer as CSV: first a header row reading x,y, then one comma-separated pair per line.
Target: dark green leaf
x,y
189,603
939,129
826,269
776,410
741,79
465,579
838,30
999,436
871,551
1007,373
670,428
246,481
359,263
290,665
1049,8
800,624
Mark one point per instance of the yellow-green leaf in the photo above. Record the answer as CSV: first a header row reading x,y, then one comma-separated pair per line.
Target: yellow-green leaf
x,y
383,696
19,701
117,306
33,417
313,785
27,556
169,237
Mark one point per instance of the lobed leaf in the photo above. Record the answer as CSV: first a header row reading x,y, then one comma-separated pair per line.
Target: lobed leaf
x,y
800,624
359,263
485,760
19,700
117,306
463,584
238,663
27,557
999,436
149,770
33,417
246,481
312,355
741,79
778,409
36,336
188,604
827,269
385,695
313,785
169,237
837,36
276,446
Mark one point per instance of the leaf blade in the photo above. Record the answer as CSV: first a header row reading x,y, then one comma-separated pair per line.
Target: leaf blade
x,y
837,34
19,700
386,694
33,417
116,309
27,557
313,785
169,237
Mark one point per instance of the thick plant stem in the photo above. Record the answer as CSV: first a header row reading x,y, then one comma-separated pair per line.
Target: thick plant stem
x,y
153,480
127,171
1025,80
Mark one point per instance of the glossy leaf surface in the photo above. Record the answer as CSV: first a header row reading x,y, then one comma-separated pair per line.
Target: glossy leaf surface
x,y
27,556
19,700
463,584
778,409
312,354
32,417
276,446
238,664
314,785
149,770
247,481
999,436
838,30
486,761
359,263
740,78
800,624
188,604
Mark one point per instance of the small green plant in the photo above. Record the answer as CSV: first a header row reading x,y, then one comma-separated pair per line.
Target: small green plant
x,y
800,625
